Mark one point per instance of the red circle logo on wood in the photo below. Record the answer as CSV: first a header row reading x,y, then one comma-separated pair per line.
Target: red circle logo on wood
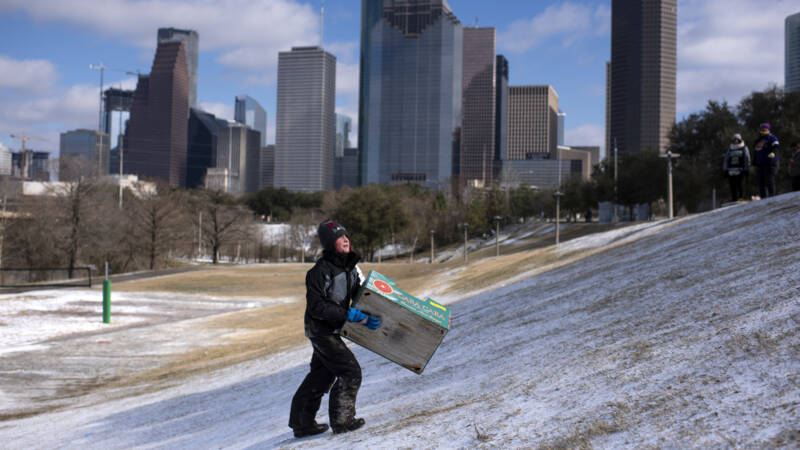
x,y
382,286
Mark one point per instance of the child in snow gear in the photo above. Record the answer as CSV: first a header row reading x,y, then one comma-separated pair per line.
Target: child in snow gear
x,y
330,287
794,166
766,160
736,165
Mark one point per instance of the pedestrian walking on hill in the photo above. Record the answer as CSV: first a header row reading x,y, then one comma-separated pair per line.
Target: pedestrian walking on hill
x,y
794,166
766,160
331,285
736,165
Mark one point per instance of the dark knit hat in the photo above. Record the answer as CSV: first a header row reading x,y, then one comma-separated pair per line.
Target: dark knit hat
x,y
328,232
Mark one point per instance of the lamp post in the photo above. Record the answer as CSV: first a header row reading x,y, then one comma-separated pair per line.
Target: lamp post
x,y
615,181
557,194
497,220
432,233
465,225
669,155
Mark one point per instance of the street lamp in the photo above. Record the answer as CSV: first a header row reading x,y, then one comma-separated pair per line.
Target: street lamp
x,y
432,233
497,220
465,225
669,155
558,194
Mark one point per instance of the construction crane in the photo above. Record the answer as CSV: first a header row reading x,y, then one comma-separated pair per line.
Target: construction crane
x,y
23,156
102,68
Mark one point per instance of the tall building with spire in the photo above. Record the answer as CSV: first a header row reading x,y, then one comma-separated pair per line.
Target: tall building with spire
x,y
410,92
643,72
305,135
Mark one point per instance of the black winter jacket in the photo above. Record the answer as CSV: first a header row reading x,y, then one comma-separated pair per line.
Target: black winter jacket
x,y
330,286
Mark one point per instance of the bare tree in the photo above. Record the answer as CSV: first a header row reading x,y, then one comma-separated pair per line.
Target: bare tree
x,y
156,221
224,220
302,228
75,210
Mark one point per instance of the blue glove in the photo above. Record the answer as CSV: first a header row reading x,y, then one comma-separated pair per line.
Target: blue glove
x,y
355,315
373,322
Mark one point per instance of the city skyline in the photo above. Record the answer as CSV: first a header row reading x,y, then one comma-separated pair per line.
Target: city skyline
x,y
47,87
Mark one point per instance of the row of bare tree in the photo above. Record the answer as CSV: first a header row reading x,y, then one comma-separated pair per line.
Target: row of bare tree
x,y
83,223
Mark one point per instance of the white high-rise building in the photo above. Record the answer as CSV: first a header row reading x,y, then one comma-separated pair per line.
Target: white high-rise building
x,y
5,160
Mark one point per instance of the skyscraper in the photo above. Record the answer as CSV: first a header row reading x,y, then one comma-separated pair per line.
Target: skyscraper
x,y
410,91
249,112
501,110
344,125
116,112
190,38
792,53
562,119
91,145
201,146
158,127
478,106
5,160
305,134
532,122
643,65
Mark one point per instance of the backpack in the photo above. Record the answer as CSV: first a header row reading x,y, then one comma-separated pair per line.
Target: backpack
x,y
736,158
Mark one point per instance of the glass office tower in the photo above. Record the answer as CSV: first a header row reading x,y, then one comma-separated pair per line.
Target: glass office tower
x,y
410,91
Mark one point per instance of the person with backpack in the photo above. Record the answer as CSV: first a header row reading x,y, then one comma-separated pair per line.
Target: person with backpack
x,y
736,165
794,166
766,160
331,285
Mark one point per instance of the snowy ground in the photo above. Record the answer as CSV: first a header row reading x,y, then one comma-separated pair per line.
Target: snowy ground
x,y
674,334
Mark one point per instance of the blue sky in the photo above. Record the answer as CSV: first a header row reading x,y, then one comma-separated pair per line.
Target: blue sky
x,y
726,49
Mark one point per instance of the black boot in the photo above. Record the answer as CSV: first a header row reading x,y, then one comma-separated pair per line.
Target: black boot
x,y
316,428
352,426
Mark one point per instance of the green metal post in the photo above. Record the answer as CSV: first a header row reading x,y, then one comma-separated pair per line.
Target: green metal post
x,y
106,298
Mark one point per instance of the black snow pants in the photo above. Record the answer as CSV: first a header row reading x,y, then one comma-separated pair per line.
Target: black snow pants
x,y
736,183
766,181
332,364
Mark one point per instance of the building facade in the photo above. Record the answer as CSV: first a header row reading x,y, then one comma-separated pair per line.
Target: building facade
x,y
156,137
532,122
478,96
267,166
31,165
344,125
501,110
305,118
643,74
5,160
792,53
201,151
116,112
410,92
249,112
191,41
90,145
346,169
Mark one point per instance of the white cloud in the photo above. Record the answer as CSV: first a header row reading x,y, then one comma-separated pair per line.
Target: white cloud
x,y
31,75
347,76
728,49
586,135
221,110
566,21
248,34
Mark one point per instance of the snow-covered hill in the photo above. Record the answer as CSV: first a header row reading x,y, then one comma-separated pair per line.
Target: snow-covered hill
x,y
679,334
